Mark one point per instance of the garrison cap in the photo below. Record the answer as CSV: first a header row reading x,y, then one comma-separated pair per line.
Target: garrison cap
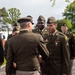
x,y
51,20
25,19
64,24
16,24
41,18
15,29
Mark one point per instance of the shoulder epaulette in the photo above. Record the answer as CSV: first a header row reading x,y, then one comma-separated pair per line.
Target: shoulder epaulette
x,y
63,35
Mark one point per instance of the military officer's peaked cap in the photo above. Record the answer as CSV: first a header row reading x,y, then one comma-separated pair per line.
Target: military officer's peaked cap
x,y
31,18
25,19
41,18
51,20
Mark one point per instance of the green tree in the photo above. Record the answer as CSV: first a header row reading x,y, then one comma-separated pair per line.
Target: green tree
x,y
9,16
67,21
3,13
56,0
13,15
69,13
60,22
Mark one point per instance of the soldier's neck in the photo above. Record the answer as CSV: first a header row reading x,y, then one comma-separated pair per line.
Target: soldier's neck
x,y
53,33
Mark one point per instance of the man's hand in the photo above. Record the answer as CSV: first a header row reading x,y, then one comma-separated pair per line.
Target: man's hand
x,y
14,64
40,59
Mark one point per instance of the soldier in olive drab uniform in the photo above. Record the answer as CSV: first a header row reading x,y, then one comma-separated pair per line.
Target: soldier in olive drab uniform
x,y
24,48
71,42
58,62
1,52
15,31
40,26
40,29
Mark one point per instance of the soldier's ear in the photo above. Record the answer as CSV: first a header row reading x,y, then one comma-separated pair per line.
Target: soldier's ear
x,y
29,24
56,25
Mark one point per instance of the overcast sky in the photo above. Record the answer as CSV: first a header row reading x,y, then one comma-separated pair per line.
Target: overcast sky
x,y
36,7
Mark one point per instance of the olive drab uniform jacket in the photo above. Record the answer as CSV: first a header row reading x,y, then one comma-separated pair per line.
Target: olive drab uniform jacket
x,y
43,32
71,41
1,52
59,57
74,46
23,49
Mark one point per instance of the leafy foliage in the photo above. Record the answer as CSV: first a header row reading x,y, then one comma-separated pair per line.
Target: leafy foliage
x,y
67,21
10,15
60,23
3,12
13,15
55,1
70,13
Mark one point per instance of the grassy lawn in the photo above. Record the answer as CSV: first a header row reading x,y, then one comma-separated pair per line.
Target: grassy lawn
x,y
4,62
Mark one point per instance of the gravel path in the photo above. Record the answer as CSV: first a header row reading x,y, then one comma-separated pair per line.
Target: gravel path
x,y
2,70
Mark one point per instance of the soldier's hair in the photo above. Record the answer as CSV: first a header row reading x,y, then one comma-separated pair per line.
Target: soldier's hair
x,y
24,24
15,29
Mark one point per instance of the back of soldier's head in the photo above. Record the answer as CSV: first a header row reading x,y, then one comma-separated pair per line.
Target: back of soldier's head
x,y
30,17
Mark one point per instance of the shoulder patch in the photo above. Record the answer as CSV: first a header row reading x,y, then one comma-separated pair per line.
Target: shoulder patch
x,y
66,37
74,35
